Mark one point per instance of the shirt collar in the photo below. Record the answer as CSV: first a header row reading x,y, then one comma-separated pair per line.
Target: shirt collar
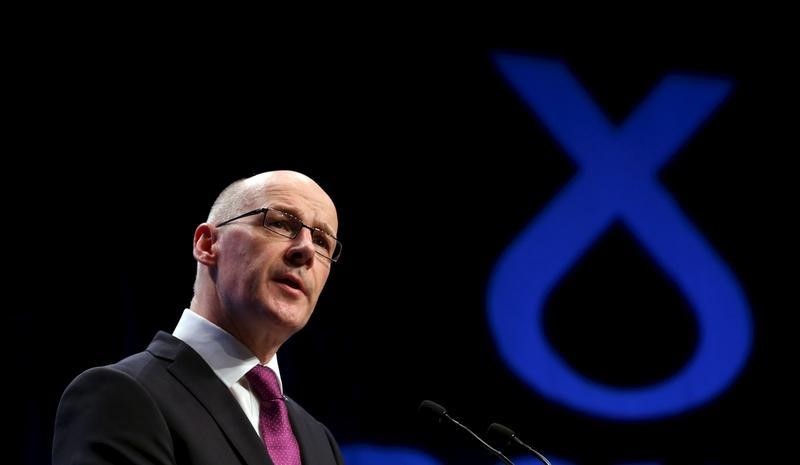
x,y
228,357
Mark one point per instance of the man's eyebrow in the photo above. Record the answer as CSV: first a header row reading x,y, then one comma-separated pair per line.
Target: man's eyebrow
x,y
326,228
296,213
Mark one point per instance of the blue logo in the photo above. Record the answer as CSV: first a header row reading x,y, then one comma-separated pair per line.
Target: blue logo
x,y
616,181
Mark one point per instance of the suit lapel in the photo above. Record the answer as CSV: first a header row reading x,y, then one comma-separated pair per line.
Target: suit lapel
x,y
312,439
198,378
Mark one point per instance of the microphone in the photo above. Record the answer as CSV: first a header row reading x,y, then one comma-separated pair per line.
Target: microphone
x,y
503,436
437,412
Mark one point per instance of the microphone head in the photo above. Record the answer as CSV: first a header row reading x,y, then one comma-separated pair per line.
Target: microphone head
x,y
432,410
499,436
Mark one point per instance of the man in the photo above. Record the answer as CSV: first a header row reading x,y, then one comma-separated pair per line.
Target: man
x,y
210,393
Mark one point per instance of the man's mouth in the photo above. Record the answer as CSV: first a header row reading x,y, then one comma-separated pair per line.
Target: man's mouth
x,y
291,282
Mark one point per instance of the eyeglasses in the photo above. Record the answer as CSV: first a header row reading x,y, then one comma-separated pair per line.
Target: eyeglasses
x,y
288,225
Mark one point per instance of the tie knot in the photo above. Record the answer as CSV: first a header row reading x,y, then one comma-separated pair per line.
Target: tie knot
x,y
264,383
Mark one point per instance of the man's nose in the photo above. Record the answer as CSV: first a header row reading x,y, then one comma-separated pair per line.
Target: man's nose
x,y
301,251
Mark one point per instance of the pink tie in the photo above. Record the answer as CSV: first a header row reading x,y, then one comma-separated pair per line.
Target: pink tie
x,y
273,419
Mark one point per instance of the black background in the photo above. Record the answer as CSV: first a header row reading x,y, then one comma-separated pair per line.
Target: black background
x,y
126,132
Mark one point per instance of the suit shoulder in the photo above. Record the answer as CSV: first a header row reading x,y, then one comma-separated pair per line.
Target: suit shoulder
x,y
111,383
105,408
139,365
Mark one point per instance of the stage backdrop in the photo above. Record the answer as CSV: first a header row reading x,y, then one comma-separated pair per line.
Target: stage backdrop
x,y
577,241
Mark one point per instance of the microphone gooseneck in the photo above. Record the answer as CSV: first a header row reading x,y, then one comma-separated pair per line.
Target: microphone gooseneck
x,y
436,411
503,436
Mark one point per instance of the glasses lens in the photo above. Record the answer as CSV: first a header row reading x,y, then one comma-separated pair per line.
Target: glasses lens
x,y
337,251
289,226
282,223
323,242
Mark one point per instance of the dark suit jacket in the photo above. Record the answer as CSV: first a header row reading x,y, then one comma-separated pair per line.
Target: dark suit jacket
x,y
166,406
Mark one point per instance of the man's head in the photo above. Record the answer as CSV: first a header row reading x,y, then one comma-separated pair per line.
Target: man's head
x,y
260,284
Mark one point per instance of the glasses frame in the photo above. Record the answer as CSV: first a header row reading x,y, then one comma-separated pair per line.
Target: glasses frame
x,y
337,250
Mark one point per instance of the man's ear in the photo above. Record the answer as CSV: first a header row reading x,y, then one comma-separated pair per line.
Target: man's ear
x,y
205,236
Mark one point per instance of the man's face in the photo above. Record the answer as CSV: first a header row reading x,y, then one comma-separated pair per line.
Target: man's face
x,y
269,280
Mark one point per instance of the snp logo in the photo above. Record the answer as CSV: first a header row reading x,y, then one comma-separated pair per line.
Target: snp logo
x,y
616,180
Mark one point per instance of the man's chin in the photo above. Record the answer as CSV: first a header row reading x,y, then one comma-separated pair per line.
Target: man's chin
x,y
291,319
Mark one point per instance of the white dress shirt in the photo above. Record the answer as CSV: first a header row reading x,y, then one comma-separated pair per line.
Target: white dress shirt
x,y
228,357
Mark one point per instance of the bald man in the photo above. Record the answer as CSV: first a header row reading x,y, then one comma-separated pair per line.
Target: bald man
x,y
211,393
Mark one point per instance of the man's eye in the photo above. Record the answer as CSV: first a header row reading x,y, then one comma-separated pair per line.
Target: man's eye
x,y
278,224
324,242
